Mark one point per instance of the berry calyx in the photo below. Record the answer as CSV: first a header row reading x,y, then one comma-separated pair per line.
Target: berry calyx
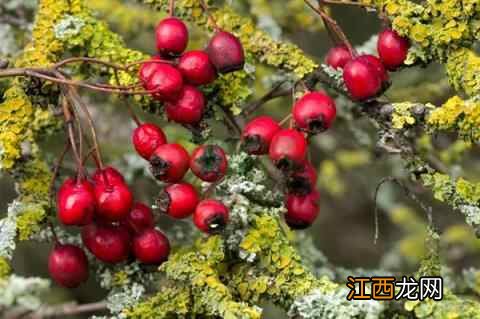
x,y
196,68
178,200
226,52
314,112
209,163
302,210
139,218
109,243
338,56
288,149
392,49
303,181
361,79
75,202
189,107
258,134
169,163
171,36
151,247
68,265
146,138
210,216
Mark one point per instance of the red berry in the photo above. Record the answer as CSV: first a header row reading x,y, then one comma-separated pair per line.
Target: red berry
x,y
188,109
166,82
303,181
392,49
178,200
196,68
377,64
68,265
146,138
113,197
210,216
75,202
139,218
301,210
209,163
338,56
109,243
172,36
169,163
151,247
361,79
288,149
226,52
147,69
258,134
314,112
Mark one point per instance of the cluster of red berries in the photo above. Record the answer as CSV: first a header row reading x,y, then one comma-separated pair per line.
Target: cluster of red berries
x,y
366,76
287,148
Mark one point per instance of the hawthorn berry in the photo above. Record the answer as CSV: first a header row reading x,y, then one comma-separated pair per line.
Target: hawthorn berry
x,y
209,163
392,49
147,69
75,202
139,218
210,216
338,56
288,149
258,134
378,65
314,112
146,138
166,82
226,52
303,181
68,265
302,210
169,163
106,174
171,36
178,200
189,107
109,243
196,68
361,79
151,247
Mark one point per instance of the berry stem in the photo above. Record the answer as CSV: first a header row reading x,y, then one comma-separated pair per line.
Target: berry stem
x,y
71,135
210,17
285,119
54,233
171,8
56,168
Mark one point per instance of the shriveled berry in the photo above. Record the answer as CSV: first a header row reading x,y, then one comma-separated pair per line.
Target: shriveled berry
x,y
303,181
210,216
314,112
338,56
361,79
288,149
258,134
146,138
169,163
75,202
172,36
209,163
226,52
302,210
392,49
139,218
166,83
178,200
196,68
68,265
151,247
189,107
109,243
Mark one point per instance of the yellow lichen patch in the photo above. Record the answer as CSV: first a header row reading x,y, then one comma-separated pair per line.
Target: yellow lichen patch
x,y
4,268
469,191
29,219
462,69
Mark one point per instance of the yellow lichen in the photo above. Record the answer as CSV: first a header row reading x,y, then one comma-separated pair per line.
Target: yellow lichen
x,y
4,268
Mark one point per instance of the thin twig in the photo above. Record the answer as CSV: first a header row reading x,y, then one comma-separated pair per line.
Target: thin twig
x,y
210,17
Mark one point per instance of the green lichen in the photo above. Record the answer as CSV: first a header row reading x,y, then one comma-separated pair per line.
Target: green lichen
x,y
462,69
4,268
28,221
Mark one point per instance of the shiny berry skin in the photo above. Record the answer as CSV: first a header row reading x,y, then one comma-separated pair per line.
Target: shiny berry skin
x,y
108,173
226,52
147,69
75,202
314,112
338,56
210,216
303,181
258,134
68,265
178,200
209,163
361,79
301,210
392,49
377,64
109,243
166,83
146,138
139,218
169,163
288,149
171,36
151,247
196,68
188,108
